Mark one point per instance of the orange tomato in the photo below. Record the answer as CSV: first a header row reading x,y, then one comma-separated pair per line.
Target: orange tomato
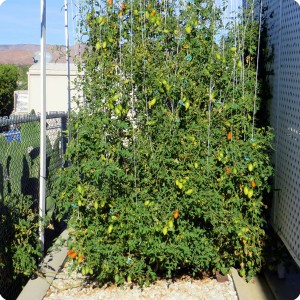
x,y
73,255
70,252
123,5
110,2
253,184
227,169
80,259
152,13
176,214
229,136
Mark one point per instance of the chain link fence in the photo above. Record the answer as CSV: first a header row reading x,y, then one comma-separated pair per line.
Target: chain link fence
x,y
19,193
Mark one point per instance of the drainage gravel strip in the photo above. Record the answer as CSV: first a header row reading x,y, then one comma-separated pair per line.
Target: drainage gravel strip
x,y
68,286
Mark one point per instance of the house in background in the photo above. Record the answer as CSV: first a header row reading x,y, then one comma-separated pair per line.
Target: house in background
x,y
56,87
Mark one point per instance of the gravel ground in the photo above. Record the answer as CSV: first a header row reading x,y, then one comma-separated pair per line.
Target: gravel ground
x,y
72,286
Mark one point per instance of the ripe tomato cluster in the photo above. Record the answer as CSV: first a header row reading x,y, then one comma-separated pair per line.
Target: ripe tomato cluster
x,y
72,254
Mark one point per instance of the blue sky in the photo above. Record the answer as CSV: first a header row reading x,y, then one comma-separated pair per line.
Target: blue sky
x,y
20,22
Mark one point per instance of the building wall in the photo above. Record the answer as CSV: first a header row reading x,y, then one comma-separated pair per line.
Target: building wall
x,y
56,87
284,39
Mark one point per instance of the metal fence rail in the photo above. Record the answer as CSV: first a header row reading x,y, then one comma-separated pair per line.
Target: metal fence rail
x,y
284,31
19,180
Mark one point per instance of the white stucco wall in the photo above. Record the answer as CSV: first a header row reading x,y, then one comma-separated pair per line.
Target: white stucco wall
x,y
56,87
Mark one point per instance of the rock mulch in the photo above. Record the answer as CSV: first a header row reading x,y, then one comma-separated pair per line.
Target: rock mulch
x,y
73,286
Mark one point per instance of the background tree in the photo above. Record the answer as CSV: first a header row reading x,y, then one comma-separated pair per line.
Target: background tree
x,y
8,83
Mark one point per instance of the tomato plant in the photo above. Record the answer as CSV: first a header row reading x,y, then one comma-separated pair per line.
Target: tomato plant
x,y
155,138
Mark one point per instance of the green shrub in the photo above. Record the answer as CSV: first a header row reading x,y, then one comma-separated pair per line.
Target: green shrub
x,y
20,246
8,84
168,167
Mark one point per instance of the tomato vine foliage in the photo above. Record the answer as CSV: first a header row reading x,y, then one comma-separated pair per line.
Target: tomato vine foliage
x,y
168,170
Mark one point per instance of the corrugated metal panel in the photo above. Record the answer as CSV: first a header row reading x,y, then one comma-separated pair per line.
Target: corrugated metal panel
x,y
284,29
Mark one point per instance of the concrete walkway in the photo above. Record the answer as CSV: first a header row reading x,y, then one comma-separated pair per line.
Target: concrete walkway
x,y
256,289
268,286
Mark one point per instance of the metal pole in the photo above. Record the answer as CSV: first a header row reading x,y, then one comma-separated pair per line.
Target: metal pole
x,y
42,204
68,58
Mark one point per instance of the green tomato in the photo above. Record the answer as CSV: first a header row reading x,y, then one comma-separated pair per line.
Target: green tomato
x,y
188,29
115,97
250,193
187,104
119,110
170,224
165,230
110,229
101,20
83,271
250,167
189,191
242,272
98,45
151,103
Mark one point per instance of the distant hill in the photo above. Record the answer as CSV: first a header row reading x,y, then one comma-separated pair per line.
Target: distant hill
x,y
22,54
